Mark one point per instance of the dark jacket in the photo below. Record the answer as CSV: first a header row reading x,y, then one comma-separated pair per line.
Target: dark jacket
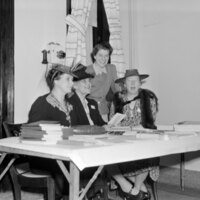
x,y
42,110
78,114
146,113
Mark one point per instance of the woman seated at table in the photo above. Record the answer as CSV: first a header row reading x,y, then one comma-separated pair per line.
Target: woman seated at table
x,y
85,111
140,107
53,107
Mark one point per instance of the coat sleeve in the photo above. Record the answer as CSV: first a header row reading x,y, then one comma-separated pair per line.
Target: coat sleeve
x,y
94,113
37,111
115,87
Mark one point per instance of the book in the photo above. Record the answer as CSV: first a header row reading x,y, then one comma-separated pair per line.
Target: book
x,y
88,130
35,128
38,123
187,126
70,142
42,131
189,123
32,132
86,138
66,132
116,119
38,142
34,136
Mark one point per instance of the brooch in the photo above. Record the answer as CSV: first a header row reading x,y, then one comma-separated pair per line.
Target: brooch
x,y
93,107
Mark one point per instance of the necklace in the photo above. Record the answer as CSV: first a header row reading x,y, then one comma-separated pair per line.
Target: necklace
x,y
64,106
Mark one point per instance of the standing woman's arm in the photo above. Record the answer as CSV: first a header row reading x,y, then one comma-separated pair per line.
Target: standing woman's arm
x,y
115,87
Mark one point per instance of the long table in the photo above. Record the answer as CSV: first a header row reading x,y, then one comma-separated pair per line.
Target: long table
x,y
108,150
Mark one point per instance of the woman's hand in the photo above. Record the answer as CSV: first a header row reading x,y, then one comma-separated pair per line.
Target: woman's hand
x,y
107,127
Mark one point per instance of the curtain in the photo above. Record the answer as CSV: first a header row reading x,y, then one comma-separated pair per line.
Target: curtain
x,y
101,32
77,26
113,16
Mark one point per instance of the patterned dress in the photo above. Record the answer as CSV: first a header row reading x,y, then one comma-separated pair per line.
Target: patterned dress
x,y
133,117
133,114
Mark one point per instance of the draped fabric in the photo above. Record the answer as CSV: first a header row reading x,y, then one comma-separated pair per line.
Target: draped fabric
x,y
101,33
76,40
77,23
113,16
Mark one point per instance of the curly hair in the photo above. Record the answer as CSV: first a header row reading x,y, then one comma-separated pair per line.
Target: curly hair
x,y
97,47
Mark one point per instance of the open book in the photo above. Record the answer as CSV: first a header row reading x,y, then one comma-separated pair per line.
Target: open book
x,y
116,119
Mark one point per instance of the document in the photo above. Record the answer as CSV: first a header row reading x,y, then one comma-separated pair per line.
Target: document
x,y
116,119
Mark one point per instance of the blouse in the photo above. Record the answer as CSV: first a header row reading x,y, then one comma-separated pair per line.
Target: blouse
x,y
101,84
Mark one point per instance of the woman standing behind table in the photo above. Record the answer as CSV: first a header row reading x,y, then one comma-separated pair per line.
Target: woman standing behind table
x,y
105,76
53,107
140,107
85,111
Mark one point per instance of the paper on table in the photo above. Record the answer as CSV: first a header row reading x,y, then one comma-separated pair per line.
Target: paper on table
x,y
116,119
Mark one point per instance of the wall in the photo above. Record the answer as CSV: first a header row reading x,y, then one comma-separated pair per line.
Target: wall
x,y
168,49
36,24
159,37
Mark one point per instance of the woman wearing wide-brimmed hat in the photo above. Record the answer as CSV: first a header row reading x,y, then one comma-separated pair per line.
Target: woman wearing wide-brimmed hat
x,y
140,107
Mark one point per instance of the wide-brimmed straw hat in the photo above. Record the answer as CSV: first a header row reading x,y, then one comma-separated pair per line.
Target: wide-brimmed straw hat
x,y
81,73
131,72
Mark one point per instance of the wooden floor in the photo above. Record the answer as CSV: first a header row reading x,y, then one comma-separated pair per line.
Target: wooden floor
x,y
165,192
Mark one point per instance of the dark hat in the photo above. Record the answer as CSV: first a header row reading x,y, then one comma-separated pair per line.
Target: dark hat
x,y
131,72
81,73
55,72
62,68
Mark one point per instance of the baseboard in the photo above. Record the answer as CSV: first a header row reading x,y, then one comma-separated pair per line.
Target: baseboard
x,y
192,192
171,176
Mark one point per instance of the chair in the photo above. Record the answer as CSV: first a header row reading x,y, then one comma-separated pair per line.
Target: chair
x,y
22,177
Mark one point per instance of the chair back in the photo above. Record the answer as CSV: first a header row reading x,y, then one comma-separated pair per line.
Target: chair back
x,y
11,129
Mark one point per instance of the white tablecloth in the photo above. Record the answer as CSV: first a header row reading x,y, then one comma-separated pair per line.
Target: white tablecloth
x,y
111,150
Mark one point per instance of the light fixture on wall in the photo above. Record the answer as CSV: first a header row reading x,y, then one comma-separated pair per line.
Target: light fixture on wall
x,y
44,60
53,54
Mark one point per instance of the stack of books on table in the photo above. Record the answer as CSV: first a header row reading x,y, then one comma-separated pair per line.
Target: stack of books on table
x,y
188,126
66,132
87,138
81,135
41,132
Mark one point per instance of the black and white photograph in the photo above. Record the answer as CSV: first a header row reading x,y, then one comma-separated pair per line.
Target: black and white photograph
x,y
99,99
